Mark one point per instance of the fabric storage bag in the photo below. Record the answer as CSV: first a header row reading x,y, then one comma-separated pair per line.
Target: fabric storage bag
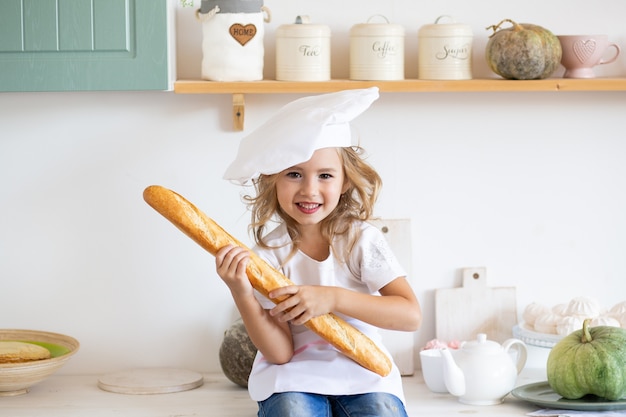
x,y
377,51
232,39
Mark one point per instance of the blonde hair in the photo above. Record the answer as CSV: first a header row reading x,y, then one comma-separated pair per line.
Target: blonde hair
x,y
356,204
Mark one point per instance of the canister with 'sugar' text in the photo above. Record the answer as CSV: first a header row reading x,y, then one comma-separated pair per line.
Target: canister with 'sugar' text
x,y
445,51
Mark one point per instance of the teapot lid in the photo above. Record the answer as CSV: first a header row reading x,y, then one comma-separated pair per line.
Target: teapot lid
x,y
482,345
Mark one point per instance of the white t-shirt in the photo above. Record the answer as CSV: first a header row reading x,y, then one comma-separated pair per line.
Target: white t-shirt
x,y
316,366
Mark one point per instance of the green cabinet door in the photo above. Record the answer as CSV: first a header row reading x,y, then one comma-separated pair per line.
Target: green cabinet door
x,y
83,45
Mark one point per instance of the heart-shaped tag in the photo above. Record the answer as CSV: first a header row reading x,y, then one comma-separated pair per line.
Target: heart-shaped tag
x,y
241,33
584,49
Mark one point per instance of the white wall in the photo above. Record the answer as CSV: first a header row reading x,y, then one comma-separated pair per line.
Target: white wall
x,y
530,185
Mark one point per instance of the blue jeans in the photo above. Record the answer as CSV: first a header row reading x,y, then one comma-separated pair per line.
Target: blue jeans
x,y
302,404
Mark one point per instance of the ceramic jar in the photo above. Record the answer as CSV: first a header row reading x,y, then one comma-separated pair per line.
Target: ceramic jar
x,y
377,50
445,50
303,51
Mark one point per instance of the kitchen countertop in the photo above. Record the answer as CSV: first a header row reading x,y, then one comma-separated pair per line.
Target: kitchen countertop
x,y
68,396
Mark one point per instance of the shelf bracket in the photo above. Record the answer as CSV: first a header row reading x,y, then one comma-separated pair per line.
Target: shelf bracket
x,y
239,109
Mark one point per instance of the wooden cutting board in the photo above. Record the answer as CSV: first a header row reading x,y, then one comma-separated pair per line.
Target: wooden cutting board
x,y
150,381
462,313
400,344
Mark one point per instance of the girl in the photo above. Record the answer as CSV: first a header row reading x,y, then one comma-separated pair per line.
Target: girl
x,y
311,179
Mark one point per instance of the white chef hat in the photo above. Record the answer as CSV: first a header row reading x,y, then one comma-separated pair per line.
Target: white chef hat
x,y
298,129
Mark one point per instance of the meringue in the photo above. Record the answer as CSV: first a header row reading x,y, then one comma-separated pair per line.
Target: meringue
x,y
440,344
569,324
546,323
618,309
532,311
605,321
583,306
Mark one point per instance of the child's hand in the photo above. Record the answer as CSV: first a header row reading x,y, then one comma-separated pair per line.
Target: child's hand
x,y
230,264
304,302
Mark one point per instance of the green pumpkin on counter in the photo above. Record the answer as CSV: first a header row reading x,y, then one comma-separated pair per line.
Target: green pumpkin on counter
x,y
523,52
589,361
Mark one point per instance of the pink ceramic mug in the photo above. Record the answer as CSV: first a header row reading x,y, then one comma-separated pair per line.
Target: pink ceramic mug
x,y
582,52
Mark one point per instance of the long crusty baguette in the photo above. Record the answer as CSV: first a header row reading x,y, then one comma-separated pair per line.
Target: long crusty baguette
x,y
263,277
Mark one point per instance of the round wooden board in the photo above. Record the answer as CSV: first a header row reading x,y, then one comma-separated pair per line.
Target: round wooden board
x,y
150,381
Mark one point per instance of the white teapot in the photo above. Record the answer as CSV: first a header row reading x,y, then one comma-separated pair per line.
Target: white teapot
x,y
482,372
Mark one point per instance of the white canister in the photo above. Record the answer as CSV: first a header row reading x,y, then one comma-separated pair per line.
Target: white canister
x,y
303,51
377,51
445,51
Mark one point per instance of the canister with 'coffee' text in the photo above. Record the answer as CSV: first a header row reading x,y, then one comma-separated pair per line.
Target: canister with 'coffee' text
x,y
377,51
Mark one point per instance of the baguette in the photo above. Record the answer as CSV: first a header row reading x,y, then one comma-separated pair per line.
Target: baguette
x,y
264,278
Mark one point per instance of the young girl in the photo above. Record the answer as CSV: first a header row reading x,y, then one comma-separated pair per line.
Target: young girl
x,y
310,178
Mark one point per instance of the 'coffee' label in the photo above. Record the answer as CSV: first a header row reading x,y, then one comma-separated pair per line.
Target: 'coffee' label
x,y
384,49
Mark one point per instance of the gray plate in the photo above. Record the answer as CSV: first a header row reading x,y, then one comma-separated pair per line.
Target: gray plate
x,y
542,395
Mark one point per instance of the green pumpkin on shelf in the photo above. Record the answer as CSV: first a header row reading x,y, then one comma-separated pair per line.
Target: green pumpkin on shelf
x,y
523,51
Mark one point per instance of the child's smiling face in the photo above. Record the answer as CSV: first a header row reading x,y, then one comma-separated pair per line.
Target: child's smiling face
x,y
310,191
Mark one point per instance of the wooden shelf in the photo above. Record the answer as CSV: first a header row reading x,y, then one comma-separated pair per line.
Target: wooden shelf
x,y
408,86
239,88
